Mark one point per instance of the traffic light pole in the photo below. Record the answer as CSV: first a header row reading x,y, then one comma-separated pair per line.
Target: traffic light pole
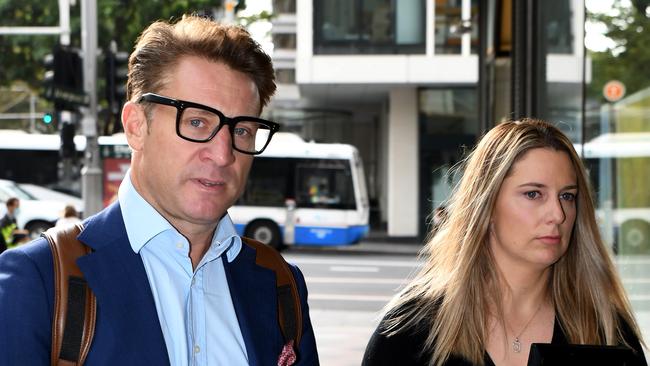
x,y
66,169
91,174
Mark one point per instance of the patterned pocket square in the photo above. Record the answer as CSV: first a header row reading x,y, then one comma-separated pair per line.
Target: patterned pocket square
x,y
288,355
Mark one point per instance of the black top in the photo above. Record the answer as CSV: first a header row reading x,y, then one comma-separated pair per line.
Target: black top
x,y
405,348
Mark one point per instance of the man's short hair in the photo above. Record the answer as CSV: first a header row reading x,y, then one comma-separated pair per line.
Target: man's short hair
x,y
162,44
13,201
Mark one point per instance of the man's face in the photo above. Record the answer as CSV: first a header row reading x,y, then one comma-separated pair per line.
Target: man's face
x,y
13,207
193,183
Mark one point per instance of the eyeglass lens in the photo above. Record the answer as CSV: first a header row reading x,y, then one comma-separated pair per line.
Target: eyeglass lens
x,y
198,124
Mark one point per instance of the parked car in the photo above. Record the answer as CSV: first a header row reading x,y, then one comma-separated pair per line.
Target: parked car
x,y
39,207
53,194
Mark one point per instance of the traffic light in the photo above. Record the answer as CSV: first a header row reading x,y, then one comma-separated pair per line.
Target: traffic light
x,y
48,118
116,76
116,64
67,132
48,77
63,78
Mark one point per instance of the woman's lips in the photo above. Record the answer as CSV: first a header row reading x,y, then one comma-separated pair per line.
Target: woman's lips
x,y
550,239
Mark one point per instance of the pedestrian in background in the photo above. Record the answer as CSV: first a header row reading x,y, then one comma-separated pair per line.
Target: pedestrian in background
x,y
519,260
11,234
70,217
174,282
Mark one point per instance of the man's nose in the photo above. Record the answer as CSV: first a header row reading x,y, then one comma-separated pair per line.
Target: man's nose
x,y
219,149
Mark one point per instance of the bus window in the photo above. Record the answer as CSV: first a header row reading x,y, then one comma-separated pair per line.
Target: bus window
x,y
324,183
267,183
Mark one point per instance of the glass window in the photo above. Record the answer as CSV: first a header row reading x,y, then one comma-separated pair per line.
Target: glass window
x,y
448,119
284,6
284,41
409,24
450,27
285,76
12,190
475,26
377,21
369,27
448,22
338,20
324,184
560,102
267,183
558,18
617,139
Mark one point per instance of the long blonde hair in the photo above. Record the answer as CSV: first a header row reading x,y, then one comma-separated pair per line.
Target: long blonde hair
x,y
450,296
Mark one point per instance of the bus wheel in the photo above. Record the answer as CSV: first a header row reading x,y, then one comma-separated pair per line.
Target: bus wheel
x,y
265,232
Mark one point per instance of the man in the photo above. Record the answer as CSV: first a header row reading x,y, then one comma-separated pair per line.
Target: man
x,y
9,233
174,283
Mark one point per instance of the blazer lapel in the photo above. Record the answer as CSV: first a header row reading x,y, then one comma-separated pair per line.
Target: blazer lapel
x,y
254,297
117,277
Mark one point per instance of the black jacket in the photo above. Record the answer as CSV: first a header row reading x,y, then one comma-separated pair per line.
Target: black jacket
x,y
405,348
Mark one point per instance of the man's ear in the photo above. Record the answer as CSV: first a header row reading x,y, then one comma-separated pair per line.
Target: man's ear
x,y
134,122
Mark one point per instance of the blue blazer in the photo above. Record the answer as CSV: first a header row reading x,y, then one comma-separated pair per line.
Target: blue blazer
x,y
127,330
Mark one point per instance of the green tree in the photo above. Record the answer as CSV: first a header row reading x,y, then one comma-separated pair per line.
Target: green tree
x,y
21,56
629,28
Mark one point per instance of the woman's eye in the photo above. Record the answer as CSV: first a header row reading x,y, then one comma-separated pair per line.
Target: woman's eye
x,y
532,194
568,196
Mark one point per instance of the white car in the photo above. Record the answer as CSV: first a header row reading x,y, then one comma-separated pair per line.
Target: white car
x,y
35,215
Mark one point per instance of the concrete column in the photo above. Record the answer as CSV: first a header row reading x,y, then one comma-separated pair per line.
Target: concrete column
x,y
403,157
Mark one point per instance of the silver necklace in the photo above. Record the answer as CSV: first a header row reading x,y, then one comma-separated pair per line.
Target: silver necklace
x,y
516,344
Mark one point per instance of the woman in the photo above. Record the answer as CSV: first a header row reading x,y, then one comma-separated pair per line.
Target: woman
x,y
70,216
518,260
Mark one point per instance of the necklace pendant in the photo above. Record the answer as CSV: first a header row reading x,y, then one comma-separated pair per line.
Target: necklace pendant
x,y
516,345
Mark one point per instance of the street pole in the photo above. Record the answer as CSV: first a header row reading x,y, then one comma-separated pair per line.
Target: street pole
x,y
66,163
91,174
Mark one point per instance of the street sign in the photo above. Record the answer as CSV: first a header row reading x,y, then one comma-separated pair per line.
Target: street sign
x,y
613,91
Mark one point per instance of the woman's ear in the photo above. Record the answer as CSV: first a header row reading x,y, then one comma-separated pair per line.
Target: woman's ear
x,y
134,122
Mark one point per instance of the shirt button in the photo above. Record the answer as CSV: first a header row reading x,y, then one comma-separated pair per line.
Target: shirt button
x,y
193,280
197,349
179,245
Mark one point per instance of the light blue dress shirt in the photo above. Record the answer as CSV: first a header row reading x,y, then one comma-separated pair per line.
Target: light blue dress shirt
x,y
194,308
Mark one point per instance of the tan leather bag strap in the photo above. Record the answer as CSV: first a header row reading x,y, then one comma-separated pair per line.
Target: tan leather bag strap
x,y
73,323
289,312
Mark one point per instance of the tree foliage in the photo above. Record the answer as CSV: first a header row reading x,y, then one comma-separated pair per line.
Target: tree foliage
x,y
21,57
629,28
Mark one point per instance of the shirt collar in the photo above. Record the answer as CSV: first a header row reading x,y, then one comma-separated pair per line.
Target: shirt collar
x,y
143,223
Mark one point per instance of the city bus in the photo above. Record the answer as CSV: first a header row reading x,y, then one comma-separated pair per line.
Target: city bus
x,y
298,192
304,193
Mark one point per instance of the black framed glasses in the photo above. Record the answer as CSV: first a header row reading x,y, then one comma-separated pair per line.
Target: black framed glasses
x,y
199,123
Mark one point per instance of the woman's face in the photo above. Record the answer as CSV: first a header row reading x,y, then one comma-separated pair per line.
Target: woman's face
x,y
535,210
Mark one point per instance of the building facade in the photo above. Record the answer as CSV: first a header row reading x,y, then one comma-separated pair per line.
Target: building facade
x,y
399,80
